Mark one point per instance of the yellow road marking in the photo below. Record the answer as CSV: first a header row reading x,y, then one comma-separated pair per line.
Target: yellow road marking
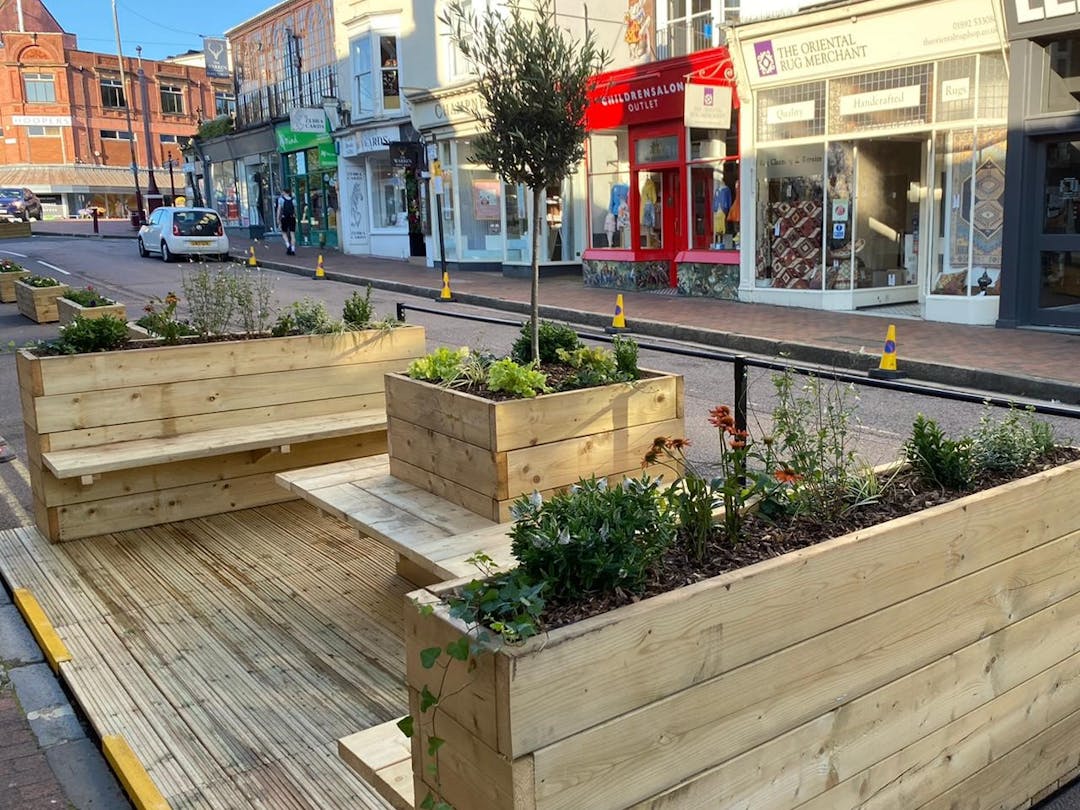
x,y
47,637
18,466
137,783
22,517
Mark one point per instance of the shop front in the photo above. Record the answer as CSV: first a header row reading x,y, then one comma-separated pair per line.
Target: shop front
x,y
485,223
310,165
380,171
874,140
1042,201
240,178
663,177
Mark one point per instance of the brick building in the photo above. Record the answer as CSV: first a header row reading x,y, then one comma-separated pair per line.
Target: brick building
x,y
64,114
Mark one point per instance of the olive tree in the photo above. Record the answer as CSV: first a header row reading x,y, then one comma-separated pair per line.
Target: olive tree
x,y
531,81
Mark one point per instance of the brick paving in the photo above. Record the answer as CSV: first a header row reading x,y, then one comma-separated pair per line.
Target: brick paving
x,y
26,779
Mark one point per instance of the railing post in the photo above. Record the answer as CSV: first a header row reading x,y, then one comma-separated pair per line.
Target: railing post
x,y
740,369
400,312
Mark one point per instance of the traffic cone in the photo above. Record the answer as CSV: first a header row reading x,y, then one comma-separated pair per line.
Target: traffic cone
x,y
445,295
251,257
319,272
618,323
886,369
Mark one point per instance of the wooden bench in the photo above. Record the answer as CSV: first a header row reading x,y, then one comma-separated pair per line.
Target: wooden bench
x,y
122,440
432,536
382,755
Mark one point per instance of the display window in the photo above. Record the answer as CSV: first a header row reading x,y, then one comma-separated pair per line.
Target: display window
x,y
790,200
609,189
389,194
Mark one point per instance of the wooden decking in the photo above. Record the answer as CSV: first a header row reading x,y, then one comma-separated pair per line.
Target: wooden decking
x,y
231,652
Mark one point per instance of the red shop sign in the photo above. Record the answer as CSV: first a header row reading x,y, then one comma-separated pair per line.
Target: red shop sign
x,y
654,91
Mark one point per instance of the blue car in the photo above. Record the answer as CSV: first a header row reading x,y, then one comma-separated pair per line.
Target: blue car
x,y
19,203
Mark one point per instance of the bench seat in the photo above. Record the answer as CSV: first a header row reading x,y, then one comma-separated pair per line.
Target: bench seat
x,y
383,757
279,435
432,536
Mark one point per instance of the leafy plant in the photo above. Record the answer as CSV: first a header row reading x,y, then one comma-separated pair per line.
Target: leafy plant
x,y
87,297
440,366
359,311
305,317
937,459
626,357
1008,444
593,539
693,497
84,335
508,604
552,337
8,266
254,297
211,297
39,281
512,378
160,319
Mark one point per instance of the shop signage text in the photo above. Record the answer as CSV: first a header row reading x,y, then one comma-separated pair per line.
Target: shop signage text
x,y
787,113
1030,18
372,140
307,119
956,90
857,43
1032,10
41,120
898,98
707,106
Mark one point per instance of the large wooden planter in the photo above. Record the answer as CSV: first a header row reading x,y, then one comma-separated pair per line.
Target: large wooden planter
x,y
7,285
68,310
98,400
929,662
39,303
482,454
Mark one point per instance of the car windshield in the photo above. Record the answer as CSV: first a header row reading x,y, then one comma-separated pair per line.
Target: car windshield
x,y
196,223
11,192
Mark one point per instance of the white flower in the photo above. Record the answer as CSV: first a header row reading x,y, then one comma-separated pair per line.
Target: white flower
x,y
564,537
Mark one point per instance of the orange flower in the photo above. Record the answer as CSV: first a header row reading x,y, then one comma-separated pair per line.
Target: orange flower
x,y
737,444
720,416
677,444
786,476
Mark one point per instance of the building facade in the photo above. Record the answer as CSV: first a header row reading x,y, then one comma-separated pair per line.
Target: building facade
x,y
64,115
874,141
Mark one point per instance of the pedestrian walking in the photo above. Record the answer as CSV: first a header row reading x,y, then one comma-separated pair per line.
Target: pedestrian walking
x,y
286,220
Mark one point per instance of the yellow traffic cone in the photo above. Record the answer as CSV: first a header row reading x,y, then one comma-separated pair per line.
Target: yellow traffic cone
x,y
886,369
251,257
618,323
319,272
445,295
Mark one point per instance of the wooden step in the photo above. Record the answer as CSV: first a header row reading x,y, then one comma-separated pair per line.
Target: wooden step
x,y
383,757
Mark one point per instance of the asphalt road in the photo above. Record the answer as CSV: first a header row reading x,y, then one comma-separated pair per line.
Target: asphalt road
x,y
883,419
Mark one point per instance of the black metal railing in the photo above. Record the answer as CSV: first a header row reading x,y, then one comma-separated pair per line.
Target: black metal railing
x,y
274,102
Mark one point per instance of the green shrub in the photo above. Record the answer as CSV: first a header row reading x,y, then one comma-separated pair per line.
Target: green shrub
x,y
508,603
626,356
359,312
39,281
88,297
160,319
84,335
937,459
8,266
593,539
521,381
254,297
306,317
211,297
553,336
441,366
1011,443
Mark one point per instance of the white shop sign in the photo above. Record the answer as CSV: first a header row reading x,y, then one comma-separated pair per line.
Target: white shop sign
x,y
785,113
895,99
41,120
956,90
308,119
370,140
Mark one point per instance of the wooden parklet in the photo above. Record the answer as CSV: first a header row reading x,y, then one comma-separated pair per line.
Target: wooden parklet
x,y
68,310
482,454
7,285
915,664
38,303
120,440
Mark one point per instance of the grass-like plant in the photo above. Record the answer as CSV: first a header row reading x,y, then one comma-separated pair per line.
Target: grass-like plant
x,y
87,297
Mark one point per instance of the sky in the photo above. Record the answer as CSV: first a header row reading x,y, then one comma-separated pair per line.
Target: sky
x,y
162,28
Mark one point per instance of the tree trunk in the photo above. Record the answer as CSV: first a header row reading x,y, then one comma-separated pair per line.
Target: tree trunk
x,y
534,310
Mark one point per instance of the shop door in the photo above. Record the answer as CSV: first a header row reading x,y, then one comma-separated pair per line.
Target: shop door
x,y
660,216
701,208
1054,279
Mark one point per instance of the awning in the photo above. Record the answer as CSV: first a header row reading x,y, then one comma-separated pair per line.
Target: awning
x,y
80,179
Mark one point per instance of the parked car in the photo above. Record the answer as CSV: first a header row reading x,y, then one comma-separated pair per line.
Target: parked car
x,y
175,232
19,203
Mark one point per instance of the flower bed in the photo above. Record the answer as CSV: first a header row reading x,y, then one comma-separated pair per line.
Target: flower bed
x,y
9,273
87,303
36,299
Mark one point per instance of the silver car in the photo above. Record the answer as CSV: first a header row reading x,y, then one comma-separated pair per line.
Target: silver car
x,y
174,232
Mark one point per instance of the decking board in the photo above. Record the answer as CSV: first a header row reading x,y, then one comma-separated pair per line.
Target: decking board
x,y
231,652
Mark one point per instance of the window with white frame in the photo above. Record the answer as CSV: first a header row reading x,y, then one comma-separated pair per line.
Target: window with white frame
x,y
40,88
224,103
388,67
376,87
172,99
168,139
460,67
43,132
687,26
363,64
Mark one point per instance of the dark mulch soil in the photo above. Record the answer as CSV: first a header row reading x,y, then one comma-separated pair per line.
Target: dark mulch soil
x,y
765,539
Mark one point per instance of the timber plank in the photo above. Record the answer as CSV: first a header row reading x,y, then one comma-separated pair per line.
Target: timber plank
x,y
455,414
382,755
445,456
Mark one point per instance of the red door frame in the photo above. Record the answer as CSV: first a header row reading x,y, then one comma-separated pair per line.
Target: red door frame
x,y
672,204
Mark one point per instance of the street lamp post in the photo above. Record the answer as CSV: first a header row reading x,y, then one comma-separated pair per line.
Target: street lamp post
x,y
153,195
137,217
172,185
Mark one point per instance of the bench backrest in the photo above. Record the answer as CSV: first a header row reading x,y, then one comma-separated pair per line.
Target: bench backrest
x,y
89,400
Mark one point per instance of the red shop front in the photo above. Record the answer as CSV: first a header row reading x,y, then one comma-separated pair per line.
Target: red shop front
x,y
663,174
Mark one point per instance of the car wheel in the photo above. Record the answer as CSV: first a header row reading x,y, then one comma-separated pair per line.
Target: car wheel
x,y
142,249
25,217
166,256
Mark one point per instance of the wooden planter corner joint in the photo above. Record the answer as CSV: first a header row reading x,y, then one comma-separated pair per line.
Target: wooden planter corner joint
x,y
39,303
120,440
7,285
68,310
907,665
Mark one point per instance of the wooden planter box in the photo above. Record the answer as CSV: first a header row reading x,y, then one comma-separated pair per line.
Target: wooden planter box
x,y
98,401
482,454
14,230
68,310
7,285
39,303
929,662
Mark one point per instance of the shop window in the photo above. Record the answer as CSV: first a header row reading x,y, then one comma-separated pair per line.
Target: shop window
x,y
1063,75
443,206
112,93
956,89
43,132
651,210
389,194
609,189
172,99
791,112
224,103
789,213
391,96
115,135
993,87
896,97
39,88
518,246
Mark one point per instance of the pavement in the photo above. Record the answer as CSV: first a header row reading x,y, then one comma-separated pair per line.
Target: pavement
x,y
46,756
1031,363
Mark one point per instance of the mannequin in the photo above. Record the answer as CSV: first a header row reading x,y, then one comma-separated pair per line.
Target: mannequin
x,y
648,203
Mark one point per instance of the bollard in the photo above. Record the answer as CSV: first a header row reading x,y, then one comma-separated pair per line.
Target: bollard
x,y
94,215
400,312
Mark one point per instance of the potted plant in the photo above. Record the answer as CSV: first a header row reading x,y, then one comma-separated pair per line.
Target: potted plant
x,y
36,297
479,431
926,657
87,303
9,272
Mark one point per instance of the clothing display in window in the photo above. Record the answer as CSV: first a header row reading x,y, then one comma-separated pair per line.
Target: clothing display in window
x,y
620,193
649,197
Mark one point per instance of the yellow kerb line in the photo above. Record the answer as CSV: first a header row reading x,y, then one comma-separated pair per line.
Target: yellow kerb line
x,y
47,638
129,770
